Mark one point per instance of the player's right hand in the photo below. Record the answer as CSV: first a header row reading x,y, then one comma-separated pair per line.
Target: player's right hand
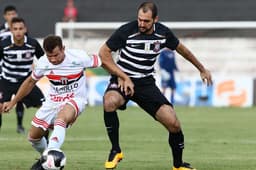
x,y
206,77
7,106
126,86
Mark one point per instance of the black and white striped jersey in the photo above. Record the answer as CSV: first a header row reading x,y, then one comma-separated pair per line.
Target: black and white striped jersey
x,y
17,60
138,51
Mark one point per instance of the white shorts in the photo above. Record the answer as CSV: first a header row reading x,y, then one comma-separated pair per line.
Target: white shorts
x,y
45,116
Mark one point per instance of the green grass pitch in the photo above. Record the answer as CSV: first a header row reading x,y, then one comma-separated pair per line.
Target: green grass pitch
x,y
215,139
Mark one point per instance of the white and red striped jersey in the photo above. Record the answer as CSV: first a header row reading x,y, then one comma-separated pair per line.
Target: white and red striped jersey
x,y
67,79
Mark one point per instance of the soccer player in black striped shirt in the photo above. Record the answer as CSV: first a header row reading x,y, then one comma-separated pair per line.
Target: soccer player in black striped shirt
x,y
9,13
17,53
139,43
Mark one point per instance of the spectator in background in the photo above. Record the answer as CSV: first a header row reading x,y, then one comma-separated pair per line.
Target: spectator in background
x,y
70,12
168,65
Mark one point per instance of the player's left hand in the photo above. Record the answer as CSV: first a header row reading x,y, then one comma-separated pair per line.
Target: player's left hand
x,y
7,106
206,77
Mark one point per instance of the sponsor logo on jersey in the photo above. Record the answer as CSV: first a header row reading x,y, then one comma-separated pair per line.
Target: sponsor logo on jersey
x,y
28,55
66,88
58,98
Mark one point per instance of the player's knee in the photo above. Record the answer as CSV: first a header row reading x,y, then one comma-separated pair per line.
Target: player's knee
x,y
32,140
110,103
175,126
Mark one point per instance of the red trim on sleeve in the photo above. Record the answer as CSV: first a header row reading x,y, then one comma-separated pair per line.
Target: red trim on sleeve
x,y
35,76
95,60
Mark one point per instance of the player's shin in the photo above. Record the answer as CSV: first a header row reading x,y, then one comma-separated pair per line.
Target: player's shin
x,y
39,144
112,126
176,142
58,135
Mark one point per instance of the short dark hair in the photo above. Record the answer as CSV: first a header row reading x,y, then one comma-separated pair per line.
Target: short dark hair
x,y
9,8
51,42
17,19
146,6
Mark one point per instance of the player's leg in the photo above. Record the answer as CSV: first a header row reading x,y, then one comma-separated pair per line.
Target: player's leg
x,y
39,143
167,116
112,100
19,109
155,103
20,112
66,116
41,122
6,91
37,139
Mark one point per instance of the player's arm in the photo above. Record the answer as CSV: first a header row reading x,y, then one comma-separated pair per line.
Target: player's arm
x,y
23,91
109,64
187,54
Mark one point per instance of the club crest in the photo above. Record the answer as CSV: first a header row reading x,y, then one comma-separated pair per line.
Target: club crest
x,y
156,46
64,80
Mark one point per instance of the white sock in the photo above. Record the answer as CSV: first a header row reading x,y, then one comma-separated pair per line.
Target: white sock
x,y
39,145
58,134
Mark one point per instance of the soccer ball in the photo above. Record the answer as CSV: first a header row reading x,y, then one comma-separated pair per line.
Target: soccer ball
x,y
53,159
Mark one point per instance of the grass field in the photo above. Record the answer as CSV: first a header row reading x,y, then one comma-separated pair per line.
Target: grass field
x,y
215,138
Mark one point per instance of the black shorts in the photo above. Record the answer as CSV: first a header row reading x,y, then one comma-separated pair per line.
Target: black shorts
x,y
7,89
146,94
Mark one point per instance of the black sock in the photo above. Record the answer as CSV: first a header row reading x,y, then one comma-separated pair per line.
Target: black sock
x,y
112,126
20,113
176,142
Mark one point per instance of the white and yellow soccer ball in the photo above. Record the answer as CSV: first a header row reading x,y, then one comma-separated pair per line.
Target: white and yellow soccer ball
x,y
53,159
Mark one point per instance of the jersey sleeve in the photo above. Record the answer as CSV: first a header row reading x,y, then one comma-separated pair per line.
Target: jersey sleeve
x,y
38,71
171,40
82,59
39,51
91,61
118,39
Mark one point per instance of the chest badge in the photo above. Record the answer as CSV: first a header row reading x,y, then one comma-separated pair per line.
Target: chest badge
x,y
156,46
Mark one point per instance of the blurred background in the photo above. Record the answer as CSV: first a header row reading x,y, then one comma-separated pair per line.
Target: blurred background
x,y
41,16
222,34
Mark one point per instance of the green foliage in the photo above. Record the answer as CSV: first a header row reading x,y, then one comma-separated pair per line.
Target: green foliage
x,y
215,138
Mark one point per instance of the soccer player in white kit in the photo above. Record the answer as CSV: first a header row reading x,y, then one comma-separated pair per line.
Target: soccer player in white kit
x,y
67,93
